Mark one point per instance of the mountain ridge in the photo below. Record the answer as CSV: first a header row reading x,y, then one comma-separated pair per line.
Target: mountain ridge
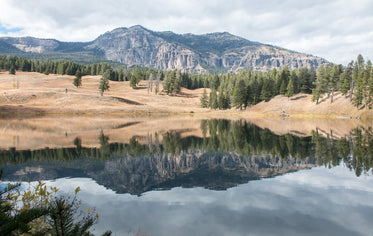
x,y
166,50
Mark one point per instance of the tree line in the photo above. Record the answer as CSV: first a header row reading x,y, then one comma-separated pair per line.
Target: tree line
x,y
247,88
63,67
240,137
238,90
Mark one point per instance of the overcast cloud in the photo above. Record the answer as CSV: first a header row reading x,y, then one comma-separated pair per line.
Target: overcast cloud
x,y
337,30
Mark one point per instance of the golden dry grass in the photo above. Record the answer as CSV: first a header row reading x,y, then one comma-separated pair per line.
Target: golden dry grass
x,y
38,93
60,130
48,93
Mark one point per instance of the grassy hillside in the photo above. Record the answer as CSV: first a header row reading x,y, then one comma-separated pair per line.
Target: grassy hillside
x,y
40,93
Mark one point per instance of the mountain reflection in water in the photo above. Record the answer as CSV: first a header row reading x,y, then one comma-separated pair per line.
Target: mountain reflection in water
x,y
227,154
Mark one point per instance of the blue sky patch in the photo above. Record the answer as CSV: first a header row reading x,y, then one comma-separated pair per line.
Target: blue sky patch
x,y
4,30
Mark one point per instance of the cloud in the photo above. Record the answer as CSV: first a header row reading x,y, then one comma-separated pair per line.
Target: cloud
x,y
338,30
319,201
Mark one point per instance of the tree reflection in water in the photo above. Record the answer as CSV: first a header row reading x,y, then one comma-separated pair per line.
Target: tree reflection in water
x,y
228,153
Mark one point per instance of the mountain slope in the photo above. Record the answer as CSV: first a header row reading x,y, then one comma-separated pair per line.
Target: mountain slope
x,y
137,45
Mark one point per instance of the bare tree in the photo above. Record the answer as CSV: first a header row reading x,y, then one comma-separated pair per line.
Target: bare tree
x,y
150,82
157,82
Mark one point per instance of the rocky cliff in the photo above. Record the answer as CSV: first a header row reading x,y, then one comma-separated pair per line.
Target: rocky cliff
x,y
136,45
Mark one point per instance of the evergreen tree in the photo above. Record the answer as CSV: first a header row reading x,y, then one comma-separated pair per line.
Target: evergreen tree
x,y
63,213
306,79
176,82
136,77
104,82
204,99
266,91
344,83
283,87
370,89
133,81
223,100
94,69
213,100
360,89
290,88
215,82
167,83
12,69
295,79
172,83
320,84
239,95
78,79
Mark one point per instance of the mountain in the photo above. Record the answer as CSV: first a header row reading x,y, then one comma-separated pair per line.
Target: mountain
x,y
137,45
127,173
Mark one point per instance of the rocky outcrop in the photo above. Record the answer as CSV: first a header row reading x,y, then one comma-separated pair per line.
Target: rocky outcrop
x,y
169,51
30,44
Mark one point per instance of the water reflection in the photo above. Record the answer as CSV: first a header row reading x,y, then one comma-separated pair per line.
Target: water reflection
x,y
186,161
226,154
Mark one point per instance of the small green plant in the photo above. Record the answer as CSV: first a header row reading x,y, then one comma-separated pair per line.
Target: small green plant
x,y
39,211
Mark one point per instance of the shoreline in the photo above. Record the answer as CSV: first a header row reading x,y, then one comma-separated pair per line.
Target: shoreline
x,y
22,111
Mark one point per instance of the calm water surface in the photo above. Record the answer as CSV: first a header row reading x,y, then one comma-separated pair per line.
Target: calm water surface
x,y
215,177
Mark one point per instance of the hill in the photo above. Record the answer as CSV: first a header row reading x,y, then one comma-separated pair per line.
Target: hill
x,y
40,93
214,52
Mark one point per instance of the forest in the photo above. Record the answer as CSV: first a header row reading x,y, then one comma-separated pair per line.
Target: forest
x,y
230,90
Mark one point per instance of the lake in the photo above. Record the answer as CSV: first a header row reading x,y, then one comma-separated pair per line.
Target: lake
x,y
193,176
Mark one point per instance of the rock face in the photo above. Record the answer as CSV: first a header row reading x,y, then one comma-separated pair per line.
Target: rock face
x,y
218,52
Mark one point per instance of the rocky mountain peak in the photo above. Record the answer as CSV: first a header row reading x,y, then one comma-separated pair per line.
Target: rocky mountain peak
x,y
136,45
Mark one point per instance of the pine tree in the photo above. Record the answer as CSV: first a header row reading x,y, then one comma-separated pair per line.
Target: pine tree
x,y
172,83
167,83
344,83
78,79
136,77
283,87
204,99
104,82
12,69
133,81
222,99
266,90
239,95
290,88
370,89
360,89
176,83
320,84
213,100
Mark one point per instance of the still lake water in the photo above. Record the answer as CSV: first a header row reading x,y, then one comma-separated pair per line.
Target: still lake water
x,y
203,177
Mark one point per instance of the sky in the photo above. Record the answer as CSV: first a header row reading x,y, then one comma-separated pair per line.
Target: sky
x,y
320,201
337,30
